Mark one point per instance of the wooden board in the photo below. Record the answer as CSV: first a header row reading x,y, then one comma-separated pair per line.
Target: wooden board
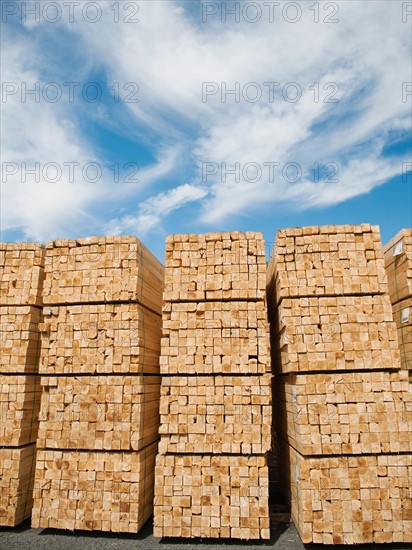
x,y
103,338
19,339
345,413
216,414
398,262
102,269
215,266
326,260
21,273
211,496
99,412
19,409
335,333
17,466
349,499
215,338
103,491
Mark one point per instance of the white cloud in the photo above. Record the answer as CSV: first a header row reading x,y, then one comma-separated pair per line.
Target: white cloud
x,y
152,211
170,54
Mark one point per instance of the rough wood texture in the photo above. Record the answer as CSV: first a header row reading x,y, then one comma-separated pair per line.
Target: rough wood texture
x,y
21,273
99,412
19,409
350,499
104,491
211,496
19,339
402,315
215,266
327,261
335,333
216,414
104,338
215,338
398,262
102,269
16,484
345,413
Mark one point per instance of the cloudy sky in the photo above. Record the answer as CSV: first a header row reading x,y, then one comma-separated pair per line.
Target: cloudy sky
x,y
154,117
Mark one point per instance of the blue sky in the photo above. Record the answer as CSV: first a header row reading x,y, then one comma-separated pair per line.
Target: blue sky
x,y
181,118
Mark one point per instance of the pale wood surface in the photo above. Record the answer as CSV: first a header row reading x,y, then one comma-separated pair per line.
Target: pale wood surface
x,y
327,261
17,466
21,273
350,499
215,266
216,414
211,496
103,491
99,412
102,269
345,413
100,338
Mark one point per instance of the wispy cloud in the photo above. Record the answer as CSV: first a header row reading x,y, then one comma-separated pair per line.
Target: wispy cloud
x,y
359,63
152,211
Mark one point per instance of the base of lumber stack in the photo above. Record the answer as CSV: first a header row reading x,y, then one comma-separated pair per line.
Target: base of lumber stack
x,y
345,413
348,499
17,466
211,496
102,491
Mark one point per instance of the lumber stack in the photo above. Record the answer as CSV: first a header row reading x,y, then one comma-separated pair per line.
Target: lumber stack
x,y
398,262
21,279
100,383
215,404
344,405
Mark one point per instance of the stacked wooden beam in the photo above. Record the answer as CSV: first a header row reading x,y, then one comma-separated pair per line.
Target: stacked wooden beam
x,y
211,471
21,279
344,406
100,385
398,262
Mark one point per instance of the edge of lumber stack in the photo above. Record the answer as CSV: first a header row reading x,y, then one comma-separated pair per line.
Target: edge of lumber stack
x,y
99,414
398,262
21,280
216,402
344,418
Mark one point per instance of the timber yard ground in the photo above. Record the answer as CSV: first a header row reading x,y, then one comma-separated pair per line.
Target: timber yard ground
x,y
284,537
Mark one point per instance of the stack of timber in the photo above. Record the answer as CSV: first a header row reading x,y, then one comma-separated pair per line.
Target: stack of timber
x,y
100,385
21,279
398,262
216,410
344,405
